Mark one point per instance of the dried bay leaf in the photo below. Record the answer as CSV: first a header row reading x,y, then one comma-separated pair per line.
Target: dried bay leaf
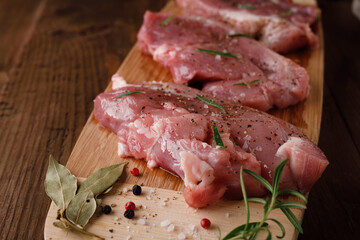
x,y
102,179
81,208
60,184
71,227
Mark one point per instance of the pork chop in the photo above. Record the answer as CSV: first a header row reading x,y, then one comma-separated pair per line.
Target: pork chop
x,y
237,69
280,25
172,126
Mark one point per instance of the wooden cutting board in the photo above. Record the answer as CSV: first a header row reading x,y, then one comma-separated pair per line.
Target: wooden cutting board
x,y
162,198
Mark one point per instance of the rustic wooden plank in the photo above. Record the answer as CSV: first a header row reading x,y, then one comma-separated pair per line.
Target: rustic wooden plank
x,y
160,205
47,95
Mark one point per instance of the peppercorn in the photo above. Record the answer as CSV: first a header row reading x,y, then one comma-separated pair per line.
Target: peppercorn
x,y
106,209
135,171
136,190
205,223
129,214
130,205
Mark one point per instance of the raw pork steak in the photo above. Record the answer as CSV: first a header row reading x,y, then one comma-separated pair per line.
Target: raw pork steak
x,y
280,25
169,126
252,74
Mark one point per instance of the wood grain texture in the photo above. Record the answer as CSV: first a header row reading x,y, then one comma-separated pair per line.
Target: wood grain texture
x,y
47,94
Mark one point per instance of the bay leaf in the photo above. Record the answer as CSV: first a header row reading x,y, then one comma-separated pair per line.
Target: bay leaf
x,y
60,184
102,179
81,208
98,201
68,226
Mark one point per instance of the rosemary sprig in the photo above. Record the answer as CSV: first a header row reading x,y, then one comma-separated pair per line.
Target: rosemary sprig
x,y
217,53
210,102
285,14
244,83
241,35
250,230
127,93
166,21
217,137
248,6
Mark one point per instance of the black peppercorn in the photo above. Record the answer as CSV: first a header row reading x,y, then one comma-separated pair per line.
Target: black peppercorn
x,y
129,214
136,190
106,209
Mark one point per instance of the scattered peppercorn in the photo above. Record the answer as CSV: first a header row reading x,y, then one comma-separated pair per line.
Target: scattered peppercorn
x,y
106,209
129,214
136,190
130,205
135,171
205,223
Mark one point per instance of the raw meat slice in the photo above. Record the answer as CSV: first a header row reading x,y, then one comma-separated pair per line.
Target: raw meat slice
x,y
169,126
181,46
280,25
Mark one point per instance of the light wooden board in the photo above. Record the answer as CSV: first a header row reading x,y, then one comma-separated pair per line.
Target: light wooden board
x,y
97,147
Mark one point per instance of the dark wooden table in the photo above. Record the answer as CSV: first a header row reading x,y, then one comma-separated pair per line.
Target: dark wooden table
x,y
57,55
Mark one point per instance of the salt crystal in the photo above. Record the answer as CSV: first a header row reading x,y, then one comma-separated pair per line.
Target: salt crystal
x,y
152,191
116,218
227,215
171,228
148,197
218,57
125,190
165,223
141,221
128,237
181,236
144,206
163,204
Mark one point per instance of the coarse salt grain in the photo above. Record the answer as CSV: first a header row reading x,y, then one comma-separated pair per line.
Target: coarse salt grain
x,y
125,190
171,228
227,215
148,197
144,206
152,191
165,223
181,236
218,57
141,221
116,218
163,204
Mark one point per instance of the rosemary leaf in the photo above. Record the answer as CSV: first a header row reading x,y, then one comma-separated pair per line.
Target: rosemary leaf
x,y
217,137
127,93
294,193
260,179
280,226
277,175
257,200
289,204
244,83
210,102
248,6
285,14
240,35
294,221
166,21
217,53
